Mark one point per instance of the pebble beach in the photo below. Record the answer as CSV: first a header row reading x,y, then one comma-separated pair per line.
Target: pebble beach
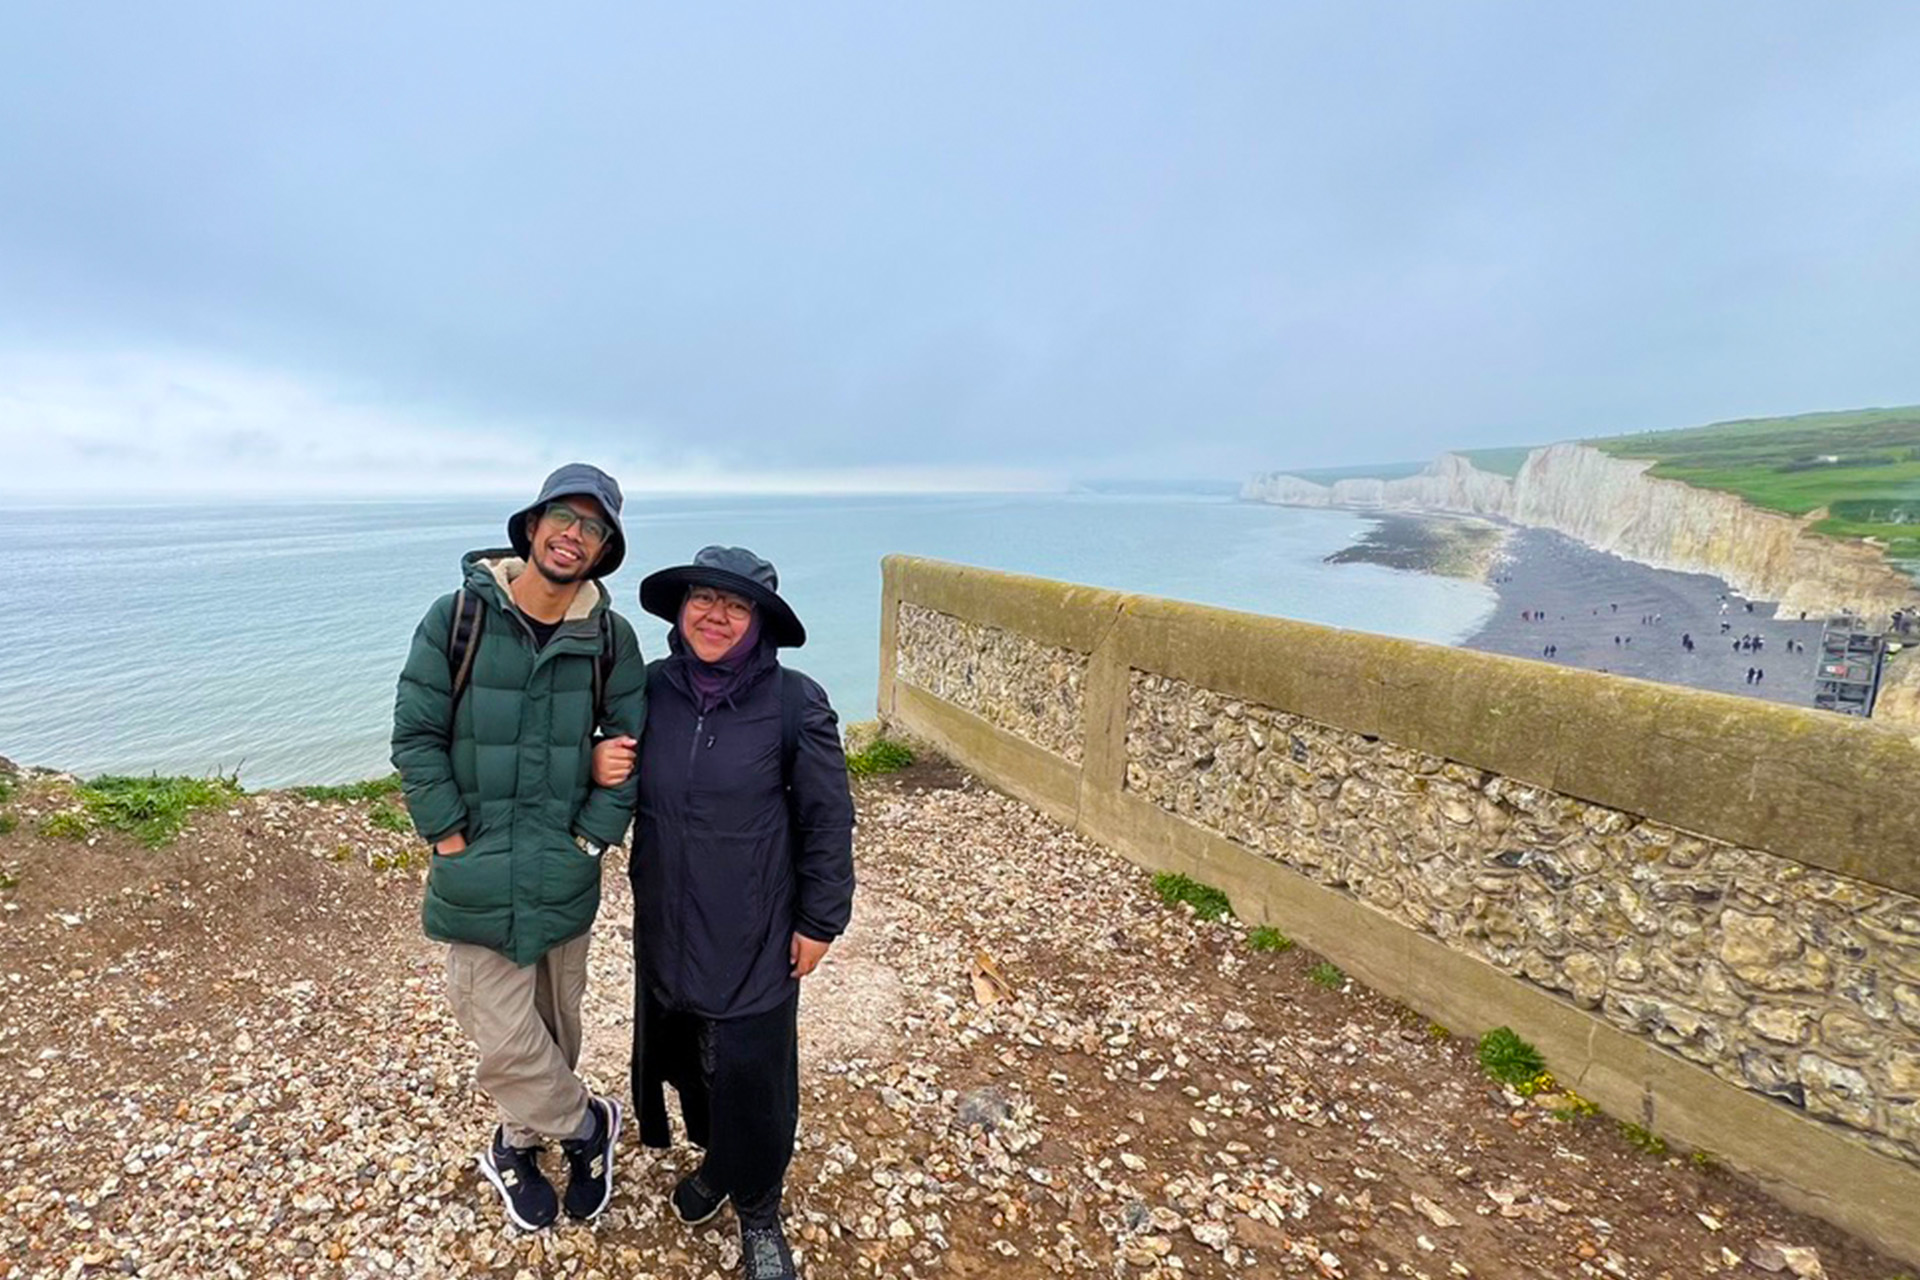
x,y
1562,601
1604,613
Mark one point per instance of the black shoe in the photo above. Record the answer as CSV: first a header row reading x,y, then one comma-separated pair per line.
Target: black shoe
x,y
590,1161
764,1254
694,1201
516,1175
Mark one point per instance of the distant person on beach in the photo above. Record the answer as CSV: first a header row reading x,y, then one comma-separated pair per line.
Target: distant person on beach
x,y
742,879
503,690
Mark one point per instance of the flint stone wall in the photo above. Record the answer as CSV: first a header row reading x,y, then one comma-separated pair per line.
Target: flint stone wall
x,y
1020,685
1782,978
1704,909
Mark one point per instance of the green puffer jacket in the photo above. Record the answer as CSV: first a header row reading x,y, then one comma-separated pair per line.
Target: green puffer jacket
x,y
513,769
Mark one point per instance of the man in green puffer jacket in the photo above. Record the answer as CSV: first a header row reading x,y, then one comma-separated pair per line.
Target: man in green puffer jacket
x,y
493,736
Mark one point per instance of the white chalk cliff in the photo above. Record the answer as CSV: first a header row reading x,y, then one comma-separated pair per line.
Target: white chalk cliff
x,y
1611,503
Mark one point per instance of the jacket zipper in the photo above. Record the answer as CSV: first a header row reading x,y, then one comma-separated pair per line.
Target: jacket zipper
x,y
693,756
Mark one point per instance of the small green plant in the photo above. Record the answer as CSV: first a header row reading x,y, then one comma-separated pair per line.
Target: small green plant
x,y
1437,1032
1645,1139
1577,1108
390,817
1207,902
1329,975
341,852
408,859
1509,1059
371,789
68,824
1703,1160
154,810
8,880
6,788
7,823
1268,938
882,755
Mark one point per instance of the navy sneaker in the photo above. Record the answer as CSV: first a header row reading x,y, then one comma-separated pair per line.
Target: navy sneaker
x,y
590,1161
524,1190
694,1202
764,1254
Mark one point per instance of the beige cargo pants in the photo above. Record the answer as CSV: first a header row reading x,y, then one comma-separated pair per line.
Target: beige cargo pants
x,y
526,1024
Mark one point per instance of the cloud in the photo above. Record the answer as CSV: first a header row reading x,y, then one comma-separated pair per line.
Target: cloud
x,y
422,247
80,426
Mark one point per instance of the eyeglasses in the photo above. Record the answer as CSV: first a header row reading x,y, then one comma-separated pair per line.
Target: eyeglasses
x,y
565,517
706,600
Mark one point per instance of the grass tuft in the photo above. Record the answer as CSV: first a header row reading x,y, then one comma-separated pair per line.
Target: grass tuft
x,y
390,817
1329,975
1207,902
153,810
882,755
1645,1139
412,858
6,788
68,824
7,823
371,789
1509,1059
1268,938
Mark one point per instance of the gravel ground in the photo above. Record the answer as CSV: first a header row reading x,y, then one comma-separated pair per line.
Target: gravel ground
x,y
231,1057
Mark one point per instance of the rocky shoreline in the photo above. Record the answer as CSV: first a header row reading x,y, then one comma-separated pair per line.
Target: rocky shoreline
x,y
1450,546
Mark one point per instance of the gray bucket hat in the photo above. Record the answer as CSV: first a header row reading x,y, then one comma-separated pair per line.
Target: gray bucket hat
x,y
734,569
576,480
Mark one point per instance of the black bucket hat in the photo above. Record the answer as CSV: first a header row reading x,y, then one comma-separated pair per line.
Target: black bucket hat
x,y
734,569
576,480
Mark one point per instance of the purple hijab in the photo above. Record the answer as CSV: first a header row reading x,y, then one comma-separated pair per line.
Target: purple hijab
x,y
714,682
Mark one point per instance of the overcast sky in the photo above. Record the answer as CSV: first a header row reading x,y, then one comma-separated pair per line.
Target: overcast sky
x,y
394,248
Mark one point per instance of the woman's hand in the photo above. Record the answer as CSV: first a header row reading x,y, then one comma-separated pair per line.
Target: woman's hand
x,y
453,844
806,954
613,761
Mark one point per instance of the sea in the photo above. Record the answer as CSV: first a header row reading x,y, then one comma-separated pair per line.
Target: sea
x,y
264,639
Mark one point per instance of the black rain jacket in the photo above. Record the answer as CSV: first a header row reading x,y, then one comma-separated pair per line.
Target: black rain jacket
x,y
727,865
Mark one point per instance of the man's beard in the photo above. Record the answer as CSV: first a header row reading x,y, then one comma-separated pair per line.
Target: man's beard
x,y
557,578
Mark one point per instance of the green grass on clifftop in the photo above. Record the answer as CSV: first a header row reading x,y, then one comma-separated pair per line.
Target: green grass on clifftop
x,y
153,810
1862,466
371,789
1374,471
1501,462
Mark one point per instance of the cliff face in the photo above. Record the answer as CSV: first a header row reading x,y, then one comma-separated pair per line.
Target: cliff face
x,y
1449,483
1611,503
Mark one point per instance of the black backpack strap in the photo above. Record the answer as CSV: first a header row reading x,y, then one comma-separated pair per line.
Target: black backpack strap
x,y
603,668
463,639
793,703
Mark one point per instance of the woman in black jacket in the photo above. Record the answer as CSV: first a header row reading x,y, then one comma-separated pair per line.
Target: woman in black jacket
x,y
742,874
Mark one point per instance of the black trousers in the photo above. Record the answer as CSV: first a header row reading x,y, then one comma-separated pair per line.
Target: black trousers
x,y
739,1085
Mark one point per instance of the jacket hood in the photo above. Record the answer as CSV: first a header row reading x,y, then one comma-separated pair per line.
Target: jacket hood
x,y
490,574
